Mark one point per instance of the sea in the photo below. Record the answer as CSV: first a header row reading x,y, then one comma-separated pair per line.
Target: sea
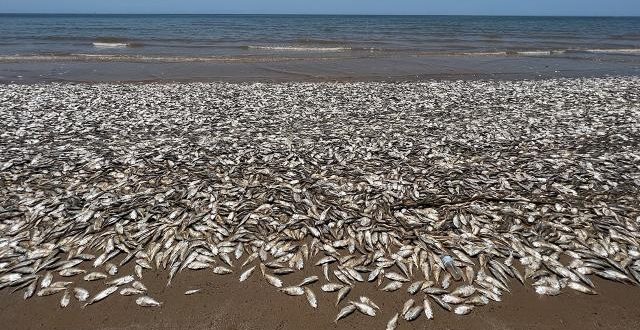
x,y
338,46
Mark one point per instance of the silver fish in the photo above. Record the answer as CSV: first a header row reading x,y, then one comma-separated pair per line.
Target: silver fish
x,y
273,280
293,290
463,309
66,298
393,323
102,294
392,286
364,308
146,301
246,274
311,297
344,312
81,294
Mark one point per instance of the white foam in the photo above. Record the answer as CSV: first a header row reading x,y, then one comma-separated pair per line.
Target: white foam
x,y
486,53
301,49
614,51
535,52
110,45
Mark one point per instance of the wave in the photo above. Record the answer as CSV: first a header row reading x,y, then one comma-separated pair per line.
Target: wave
x,y
517,53
317,41
110,45
620,51
539,52
300,48
137,58
271,57
117,45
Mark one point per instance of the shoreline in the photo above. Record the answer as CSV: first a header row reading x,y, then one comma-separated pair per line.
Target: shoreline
x,y
362,184
389,68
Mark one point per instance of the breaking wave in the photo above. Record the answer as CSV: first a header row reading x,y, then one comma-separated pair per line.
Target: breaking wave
x,y
300,48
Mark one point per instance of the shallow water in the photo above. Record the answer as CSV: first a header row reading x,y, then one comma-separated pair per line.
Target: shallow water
x,y
238,47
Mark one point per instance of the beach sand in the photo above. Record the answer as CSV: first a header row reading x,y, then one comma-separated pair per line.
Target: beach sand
x,y
225,303
62,141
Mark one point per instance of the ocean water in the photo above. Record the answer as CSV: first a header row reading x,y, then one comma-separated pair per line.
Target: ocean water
x,y
303,47
249,36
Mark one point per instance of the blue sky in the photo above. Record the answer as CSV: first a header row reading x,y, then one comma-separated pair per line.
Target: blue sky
x,y
464,7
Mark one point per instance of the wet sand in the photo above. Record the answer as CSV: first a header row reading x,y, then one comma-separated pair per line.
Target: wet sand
x,y
225,303
382,68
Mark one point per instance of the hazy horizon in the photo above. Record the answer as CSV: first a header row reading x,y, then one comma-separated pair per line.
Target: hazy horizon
x,y
627,8
311,14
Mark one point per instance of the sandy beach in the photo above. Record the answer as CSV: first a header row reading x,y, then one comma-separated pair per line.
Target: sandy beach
x,y
364,185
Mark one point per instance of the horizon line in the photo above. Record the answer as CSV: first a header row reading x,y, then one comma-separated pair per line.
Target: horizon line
x,y
318,14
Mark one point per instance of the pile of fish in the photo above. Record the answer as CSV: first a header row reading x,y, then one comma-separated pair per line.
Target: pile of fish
x,y
449,191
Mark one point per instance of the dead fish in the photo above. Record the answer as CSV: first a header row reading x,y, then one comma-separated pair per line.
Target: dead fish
x,y
273,280
196,265
311,297
226,259
478,300
81,294
190,292
293,290
146,301
581,288
548,291
49,291
331,287
121,281
441,303
221,270
374,274
325,260
393,323
102,294
392,286
71,272
364,308
309,280
368,301
246,274
464,291
344,312
613,275
46,280
95,276
342,293
407,306
11,277
396,277
413,313
60,284
30,290
415,287
130,292
66,298
463,309
428,311
435,291
451,299
111,269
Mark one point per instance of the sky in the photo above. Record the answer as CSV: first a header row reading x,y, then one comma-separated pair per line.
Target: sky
x,y
400,7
